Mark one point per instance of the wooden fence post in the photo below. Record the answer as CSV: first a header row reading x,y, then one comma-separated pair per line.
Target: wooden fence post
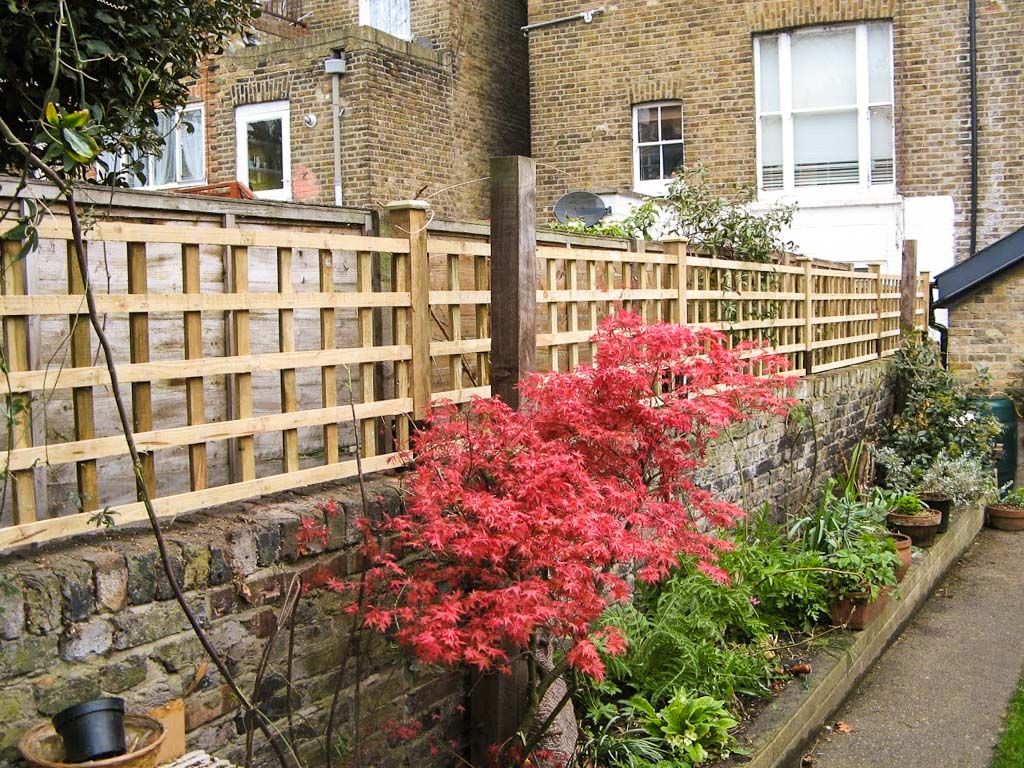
x,y
409,219
19,405
82,397
676,246
808,317
142,391
908,288
513,275
498,702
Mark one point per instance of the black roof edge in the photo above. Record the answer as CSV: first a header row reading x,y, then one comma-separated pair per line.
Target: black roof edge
x,y
957,282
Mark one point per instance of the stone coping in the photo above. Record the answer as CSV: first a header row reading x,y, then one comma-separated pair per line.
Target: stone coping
x,y
791,721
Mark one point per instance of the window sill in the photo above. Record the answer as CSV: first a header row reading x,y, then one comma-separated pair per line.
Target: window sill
x,y
830,197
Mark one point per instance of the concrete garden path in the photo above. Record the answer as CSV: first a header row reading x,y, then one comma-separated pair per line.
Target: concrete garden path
x,y
937,697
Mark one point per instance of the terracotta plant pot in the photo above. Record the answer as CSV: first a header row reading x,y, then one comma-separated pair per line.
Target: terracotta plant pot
x,y
903,544
920,528
1005,518
941,504
854,611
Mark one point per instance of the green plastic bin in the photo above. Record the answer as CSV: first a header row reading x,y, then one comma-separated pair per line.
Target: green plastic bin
x,y
1002,409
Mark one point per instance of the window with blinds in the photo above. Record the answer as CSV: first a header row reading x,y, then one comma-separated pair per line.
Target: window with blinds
x,y
391,16
825,107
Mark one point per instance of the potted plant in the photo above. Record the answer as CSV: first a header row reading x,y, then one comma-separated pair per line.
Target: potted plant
x,y
859,579
1007,514
911,516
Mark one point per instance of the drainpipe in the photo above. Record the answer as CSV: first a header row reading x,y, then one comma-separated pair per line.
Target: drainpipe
x,y
335,67
972,36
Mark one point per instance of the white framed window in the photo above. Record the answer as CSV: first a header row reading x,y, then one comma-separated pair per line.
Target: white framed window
x,y
182,163
263,143
824,99
391,16
657,145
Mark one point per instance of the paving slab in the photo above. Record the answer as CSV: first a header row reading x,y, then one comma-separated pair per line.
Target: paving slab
x,y
937,697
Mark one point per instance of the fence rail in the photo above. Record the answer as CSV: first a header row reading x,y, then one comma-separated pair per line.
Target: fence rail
x,y
255,359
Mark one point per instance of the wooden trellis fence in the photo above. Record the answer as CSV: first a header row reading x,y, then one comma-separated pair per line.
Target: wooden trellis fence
x,y
245,352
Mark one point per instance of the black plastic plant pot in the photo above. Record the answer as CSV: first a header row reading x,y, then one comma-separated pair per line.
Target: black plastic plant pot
x,y
92,730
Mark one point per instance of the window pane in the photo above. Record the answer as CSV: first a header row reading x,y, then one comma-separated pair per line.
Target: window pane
x,y
672,158
825,149
266,155
391,16
881,145
879,62
824,68
164,167
650,163
671,122
647,124
769,73
192,166
771,153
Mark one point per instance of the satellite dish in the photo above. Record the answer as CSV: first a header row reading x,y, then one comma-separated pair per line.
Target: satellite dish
x,y
586,206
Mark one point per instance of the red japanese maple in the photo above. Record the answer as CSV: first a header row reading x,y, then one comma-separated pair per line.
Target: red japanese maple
x,y
529,520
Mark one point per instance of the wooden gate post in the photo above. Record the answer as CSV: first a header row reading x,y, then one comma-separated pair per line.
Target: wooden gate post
x,y
499,702
908,288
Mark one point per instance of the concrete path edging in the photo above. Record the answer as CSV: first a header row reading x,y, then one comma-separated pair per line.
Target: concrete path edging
x,y
795,717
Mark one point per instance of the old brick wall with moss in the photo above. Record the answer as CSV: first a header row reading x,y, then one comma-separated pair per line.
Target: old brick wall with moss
x,y
419,115
585,78
95,615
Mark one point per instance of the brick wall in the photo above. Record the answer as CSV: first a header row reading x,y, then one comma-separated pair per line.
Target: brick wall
x,y
586,77
95,615
419,116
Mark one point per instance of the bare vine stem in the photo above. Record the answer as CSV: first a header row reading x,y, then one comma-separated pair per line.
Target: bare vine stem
x,y
67,190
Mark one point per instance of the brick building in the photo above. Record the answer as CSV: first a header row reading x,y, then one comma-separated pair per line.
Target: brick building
x,y
427,90
859,110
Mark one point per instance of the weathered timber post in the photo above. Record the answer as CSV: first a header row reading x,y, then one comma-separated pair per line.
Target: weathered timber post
x,y
808,317
676,246
879,324
499,702
513,275
926,292
908,288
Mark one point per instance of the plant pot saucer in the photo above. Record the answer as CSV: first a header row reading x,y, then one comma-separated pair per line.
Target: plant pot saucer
x,y
43,748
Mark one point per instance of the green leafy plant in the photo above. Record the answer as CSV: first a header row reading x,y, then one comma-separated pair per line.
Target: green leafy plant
x,y
726,227
935,414
696,729
1014,498
638,224
908,504
964,479
866,567
839,520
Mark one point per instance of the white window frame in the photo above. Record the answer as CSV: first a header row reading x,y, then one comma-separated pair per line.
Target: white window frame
x,y
398,19
863,188
171,140
656,187
253,113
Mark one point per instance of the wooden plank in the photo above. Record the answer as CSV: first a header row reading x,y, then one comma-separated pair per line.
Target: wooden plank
x,y
410,218
195,406
82,397
121,303
171,370
454,323
926,301
438,298
545,296
123,232
286,343
171,506
367,339
481,275
103,447
19,404
440,247
460,395
592,254
513,275
328,372
243,380
808,317
551,281
572,310
142,391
